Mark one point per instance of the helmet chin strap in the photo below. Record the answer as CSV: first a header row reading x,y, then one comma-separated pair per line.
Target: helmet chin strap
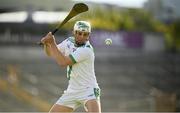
x,y
79,45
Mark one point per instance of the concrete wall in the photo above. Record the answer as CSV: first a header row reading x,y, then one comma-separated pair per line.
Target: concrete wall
x,y
154,42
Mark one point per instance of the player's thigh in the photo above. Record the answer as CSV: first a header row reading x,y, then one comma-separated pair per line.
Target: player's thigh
x,y
93,105
60,108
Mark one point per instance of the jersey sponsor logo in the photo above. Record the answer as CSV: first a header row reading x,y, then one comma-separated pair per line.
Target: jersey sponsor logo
x,y
68,46
74,49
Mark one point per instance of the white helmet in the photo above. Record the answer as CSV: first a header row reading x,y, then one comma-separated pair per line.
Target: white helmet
x,y
83,26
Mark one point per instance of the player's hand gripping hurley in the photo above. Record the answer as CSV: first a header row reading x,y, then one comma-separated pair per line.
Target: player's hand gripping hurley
x,y
77,9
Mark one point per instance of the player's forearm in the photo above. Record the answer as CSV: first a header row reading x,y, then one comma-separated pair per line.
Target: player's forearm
x,y
47,49
58,56
53,51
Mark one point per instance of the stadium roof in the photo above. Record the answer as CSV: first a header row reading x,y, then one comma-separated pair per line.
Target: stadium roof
x,y
47,5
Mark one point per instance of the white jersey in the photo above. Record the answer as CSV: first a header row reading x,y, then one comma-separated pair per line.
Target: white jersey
x,y
81,74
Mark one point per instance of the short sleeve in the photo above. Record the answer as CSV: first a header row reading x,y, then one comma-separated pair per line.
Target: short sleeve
x,y
81,54
61,46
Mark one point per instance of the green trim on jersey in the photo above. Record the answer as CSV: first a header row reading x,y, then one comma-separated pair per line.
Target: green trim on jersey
x,y
89,46
72,58
97,92
72,39
69,72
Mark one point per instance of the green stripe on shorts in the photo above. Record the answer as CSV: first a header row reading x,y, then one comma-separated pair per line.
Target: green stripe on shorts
x,y
97,92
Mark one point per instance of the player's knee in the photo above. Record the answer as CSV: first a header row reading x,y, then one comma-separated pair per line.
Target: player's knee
x,y
93,106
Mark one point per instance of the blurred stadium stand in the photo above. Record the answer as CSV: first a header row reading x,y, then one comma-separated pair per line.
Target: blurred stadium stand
x,y
164,10
131,80
135,73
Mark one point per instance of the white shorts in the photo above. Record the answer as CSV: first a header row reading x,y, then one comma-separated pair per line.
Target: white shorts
x,y
76,98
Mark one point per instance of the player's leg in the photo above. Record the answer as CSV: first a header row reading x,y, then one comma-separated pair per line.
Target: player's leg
x,y
93,105
60,108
